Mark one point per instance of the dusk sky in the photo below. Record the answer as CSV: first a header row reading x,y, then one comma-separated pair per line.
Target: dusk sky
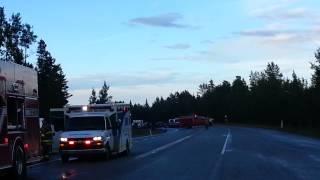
x,y
148,48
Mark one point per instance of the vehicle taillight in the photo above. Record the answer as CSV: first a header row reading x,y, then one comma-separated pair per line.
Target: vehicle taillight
x,y
87,142
26,146
71,142
6,140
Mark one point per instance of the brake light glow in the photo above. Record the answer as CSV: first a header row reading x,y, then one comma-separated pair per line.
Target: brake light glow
x,y
26,146
87,142
6,140
71,142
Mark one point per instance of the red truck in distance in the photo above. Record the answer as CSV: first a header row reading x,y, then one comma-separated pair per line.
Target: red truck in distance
x,y
192,120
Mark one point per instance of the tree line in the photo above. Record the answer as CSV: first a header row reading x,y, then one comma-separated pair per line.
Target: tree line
x,y
16,39
267,99
103,97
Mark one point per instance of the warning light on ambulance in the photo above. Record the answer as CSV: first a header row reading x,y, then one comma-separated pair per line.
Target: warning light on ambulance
x,y
84,108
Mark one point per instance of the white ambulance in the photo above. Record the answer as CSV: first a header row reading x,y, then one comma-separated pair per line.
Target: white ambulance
x,y
103,129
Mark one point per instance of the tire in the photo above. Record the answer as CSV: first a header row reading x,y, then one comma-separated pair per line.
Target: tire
x,y
19,163
64,158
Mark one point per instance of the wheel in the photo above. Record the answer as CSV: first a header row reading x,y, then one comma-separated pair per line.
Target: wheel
x,y
128,150
64,158
19,163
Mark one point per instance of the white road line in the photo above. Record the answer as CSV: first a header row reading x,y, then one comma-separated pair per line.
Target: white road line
x,y
48,162
225,143
162,147
42,163
151,136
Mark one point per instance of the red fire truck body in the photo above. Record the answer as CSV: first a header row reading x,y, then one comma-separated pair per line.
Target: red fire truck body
x,y
19,119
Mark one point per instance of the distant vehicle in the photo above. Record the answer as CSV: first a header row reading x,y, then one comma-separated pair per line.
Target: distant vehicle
x,y
174,123
19,118
193,120
160,124
103,129
137,123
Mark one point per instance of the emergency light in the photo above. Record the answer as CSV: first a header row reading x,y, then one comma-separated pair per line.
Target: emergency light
x,y
84,108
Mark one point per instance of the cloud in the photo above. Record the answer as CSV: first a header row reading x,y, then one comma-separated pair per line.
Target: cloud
x,y
181,58
136,94
207,42
122,79
178,46
135,86
165,20
203,52
259,33
283,13
287,36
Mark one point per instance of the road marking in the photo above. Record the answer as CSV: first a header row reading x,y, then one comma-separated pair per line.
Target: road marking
x,y
51,161
155,135
162,147
225,143
41,163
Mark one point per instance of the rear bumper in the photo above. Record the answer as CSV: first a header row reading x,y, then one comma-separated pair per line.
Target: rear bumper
x,y
82,152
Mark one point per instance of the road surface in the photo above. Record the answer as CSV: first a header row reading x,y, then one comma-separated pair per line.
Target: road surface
x,y
222,152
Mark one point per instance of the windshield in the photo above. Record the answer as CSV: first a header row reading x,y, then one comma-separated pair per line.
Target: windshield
x,y
85,123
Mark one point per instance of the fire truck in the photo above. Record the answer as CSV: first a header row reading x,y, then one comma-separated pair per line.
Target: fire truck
x,y
98,129
19,119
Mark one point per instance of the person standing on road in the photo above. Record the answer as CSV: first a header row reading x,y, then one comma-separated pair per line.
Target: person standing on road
x,y
46,139
206,124
226,119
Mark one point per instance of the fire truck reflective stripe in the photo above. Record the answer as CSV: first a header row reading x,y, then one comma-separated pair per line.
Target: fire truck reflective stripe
x,y
5,167
31,112
16,132
32,98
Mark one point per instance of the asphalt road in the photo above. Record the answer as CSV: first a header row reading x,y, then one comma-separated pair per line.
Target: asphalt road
x,y
222,152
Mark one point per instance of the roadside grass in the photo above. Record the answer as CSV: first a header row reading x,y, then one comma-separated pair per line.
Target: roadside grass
x,y
146,132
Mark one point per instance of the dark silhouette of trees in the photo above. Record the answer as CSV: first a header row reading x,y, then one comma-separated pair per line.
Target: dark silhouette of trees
x,y
15,39
268,99
52,83
103,94
93,97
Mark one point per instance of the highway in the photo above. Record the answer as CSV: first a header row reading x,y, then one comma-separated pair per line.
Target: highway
x,y
221,152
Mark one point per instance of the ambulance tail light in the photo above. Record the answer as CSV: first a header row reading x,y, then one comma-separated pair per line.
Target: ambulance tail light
x,y
6,140
26,146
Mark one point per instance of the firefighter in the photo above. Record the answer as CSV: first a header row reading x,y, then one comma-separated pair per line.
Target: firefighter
x,y
206,124
46,139
226,120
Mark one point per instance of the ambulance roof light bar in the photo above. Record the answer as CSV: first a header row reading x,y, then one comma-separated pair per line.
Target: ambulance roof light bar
x,y
85,108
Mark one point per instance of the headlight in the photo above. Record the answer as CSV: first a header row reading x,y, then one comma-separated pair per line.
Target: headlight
x,y
98,138
63,139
